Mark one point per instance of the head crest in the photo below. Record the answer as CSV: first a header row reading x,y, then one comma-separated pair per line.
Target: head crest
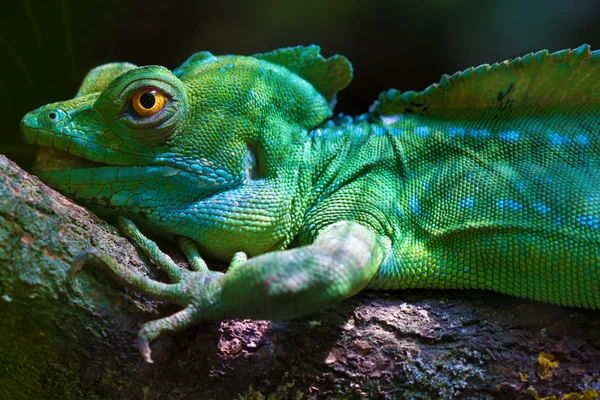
x,y
328,76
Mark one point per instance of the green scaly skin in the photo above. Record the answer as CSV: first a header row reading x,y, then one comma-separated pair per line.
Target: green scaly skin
x,y
488,180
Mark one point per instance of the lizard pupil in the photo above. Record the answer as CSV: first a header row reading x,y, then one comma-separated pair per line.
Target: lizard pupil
x,y
147,100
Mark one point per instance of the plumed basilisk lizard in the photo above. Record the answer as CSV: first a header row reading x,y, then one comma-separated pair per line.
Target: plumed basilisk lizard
x,y
489,179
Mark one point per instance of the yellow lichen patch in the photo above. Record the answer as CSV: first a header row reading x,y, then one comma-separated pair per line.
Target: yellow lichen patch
x,y
589,394
524,376
545,363
533,393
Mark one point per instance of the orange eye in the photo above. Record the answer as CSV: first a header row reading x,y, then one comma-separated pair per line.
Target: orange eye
x,y
147,102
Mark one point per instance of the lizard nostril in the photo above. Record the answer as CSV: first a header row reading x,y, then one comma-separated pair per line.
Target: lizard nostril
x,y
52,115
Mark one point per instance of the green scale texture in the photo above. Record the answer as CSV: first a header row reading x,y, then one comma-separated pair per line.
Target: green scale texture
x,y
487,180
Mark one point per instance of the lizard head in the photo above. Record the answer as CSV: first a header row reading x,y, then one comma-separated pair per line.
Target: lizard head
x,y
213,136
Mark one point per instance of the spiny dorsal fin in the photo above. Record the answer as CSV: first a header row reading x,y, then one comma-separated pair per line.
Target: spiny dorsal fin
x,y
535,84
328,76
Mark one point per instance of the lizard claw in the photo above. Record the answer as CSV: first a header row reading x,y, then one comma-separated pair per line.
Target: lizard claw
x,y
79,261
144,348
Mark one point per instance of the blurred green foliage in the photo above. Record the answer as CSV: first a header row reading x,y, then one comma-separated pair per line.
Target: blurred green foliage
x,y
47,46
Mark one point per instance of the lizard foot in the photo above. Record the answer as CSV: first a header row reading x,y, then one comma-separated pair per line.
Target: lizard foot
x,y
275,285
185,287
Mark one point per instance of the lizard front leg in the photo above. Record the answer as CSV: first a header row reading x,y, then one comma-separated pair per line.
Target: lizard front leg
x,y
277,285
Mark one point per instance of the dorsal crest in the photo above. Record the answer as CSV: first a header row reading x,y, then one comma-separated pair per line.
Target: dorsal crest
x,y
535,84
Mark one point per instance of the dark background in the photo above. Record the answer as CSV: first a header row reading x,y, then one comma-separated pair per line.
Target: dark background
x,y
47,47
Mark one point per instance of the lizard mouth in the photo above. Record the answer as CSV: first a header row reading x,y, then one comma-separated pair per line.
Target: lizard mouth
x,y
58,168
50,159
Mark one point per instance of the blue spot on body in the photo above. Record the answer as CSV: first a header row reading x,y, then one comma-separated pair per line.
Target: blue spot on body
x,y
229,66
414,206
558,220
453,132
422,131
467,202
396,132
520,186
358,131
590,198
479,133
588,221
345,119
541,208
400,212
558,140
362,118
582,140
222,69
509,136
378,131
509,205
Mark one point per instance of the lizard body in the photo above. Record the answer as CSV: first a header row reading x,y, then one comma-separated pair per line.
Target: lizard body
x,y
487,180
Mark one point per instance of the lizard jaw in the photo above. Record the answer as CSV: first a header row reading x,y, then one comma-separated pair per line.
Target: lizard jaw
x,y
90,170
85,179
49,159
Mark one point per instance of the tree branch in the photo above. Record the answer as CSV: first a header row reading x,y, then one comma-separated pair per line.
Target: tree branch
x,y
73,340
